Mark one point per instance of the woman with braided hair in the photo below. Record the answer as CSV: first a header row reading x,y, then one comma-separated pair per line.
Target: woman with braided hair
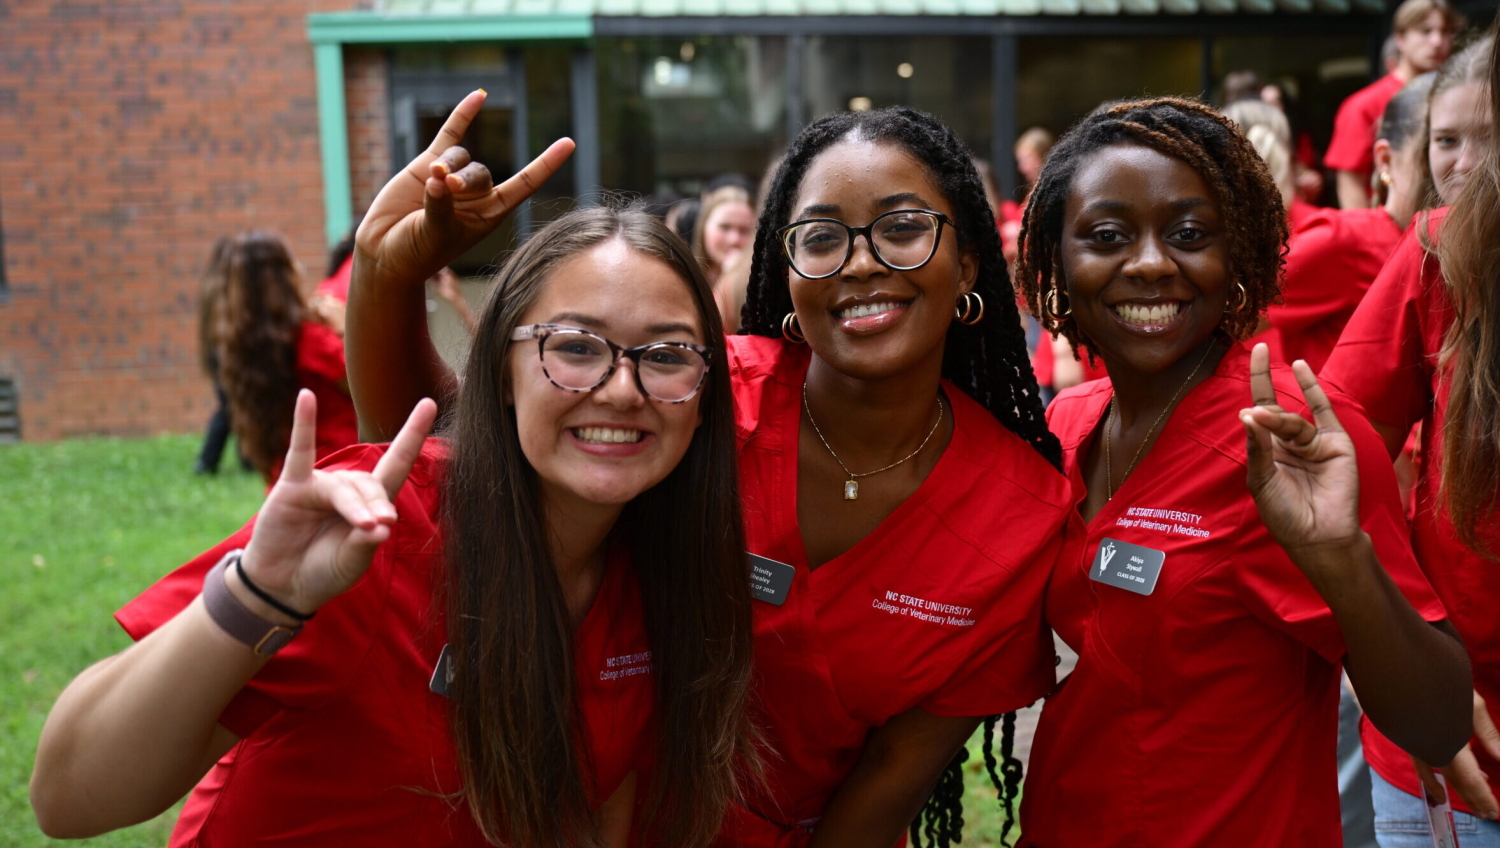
x,y
902,501
1211,620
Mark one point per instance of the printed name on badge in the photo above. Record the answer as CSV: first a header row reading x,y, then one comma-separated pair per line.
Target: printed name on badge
x,y
1133,568
770,581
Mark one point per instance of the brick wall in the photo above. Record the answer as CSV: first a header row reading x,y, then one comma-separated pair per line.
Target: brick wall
x,y
131,136
367,100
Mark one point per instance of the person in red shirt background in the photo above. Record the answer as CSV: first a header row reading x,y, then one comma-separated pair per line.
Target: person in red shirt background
x,y
1334,254
575,540
1415,351
268,344
1210,620
1424,31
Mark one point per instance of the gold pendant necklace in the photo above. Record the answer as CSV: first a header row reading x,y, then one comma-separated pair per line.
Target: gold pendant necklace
x,y
851,486
1109,426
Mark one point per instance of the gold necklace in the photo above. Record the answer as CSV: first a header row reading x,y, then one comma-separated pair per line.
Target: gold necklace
x,y
1109,426
851,486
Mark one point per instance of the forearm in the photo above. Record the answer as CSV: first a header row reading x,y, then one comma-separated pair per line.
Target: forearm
x,y
1413,679
391,358
883,794
132,734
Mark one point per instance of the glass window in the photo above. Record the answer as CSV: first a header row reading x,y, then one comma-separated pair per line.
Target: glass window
x,y
1059,80
675,112
945,75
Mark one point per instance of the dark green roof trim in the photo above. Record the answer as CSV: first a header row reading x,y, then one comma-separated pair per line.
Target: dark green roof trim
x,y
377,28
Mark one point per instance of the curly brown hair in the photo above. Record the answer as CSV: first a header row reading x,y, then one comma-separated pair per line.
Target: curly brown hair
x,y
1187,130
256,332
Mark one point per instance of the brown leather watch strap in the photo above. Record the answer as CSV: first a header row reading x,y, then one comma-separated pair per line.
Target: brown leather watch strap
x,y
233,617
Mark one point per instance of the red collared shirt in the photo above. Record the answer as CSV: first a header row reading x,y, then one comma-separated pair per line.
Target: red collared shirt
x,y
1205,713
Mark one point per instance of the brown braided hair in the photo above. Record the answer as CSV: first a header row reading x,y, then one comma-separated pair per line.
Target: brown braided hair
x,y
1192,132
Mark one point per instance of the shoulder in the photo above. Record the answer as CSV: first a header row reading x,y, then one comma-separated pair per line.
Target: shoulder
x,y
1075,411
1373,97
758,368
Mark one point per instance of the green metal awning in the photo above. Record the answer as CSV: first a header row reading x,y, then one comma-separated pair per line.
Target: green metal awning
x,y
968,8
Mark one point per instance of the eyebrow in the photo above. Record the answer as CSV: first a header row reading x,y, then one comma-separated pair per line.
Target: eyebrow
x,y
819,210
589,322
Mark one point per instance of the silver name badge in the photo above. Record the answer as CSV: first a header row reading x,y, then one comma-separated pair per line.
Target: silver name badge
x,y
1126,566
442,674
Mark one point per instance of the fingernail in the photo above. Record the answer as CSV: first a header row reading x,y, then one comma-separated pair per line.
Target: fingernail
x,y
482,91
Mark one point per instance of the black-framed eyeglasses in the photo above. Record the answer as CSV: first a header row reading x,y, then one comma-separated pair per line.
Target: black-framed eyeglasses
x,y
902,240
580,361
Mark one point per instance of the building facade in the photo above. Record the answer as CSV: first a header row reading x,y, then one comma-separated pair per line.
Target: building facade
x,y
133,135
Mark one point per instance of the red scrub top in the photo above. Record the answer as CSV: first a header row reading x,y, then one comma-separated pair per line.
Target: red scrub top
x,y
1330,264
1203,714
320,367
1387,359
939,608
343,741
1044,363
1352,147
337,285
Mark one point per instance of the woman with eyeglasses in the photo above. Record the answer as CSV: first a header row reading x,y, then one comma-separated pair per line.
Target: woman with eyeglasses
x,y
533,631
902,502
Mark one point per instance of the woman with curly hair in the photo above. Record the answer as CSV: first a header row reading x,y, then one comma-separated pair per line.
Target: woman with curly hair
x,y
1211,621
902,500
269,344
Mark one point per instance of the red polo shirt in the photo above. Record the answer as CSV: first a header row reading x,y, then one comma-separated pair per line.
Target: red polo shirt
x,y
939,608
343,741
320,367
1330,264
1387,359
1352,147
1204,713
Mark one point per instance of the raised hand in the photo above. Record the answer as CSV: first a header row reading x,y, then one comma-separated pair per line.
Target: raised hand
x,y
1303,475
318,530
442,204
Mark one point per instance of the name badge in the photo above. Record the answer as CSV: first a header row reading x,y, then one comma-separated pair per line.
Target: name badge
x,y
442,674
1126,566
770,581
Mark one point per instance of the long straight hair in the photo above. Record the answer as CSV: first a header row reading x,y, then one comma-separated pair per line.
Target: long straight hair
x,y
514,710
257,327
1471,269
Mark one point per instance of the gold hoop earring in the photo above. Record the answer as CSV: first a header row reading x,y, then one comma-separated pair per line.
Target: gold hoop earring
x,y
1244,298
964,313
1385,178
1049,307
790,329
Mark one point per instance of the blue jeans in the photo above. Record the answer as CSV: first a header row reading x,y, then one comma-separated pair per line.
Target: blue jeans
x,y
1401,821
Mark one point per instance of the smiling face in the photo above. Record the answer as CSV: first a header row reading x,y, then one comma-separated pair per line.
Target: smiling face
x,y
869,321
1144,257
607,445
1460,129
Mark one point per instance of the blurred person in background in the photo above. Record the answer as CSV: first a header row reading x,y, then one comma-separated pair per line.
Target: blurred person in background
x,y
1459,132
1423,347
270,344
725,228
1424,32
211,293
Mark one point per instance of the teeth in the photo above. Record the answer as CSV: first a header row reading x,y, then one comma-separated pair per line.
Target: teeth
x,y
867,309
607,435
1135,313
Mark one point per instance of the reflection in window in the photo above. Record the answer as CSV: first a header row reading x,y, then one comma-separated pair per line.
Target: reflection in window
x,y
676,112
944,75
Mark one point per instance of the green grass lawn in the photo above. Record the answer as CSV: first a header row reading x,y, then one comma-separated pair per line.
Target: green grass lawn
x,y
85,525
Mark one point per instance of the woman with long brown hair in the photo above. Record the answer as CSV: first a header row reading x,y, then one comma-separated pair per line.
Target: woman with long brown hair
x,y
1424,346
533,632
269,344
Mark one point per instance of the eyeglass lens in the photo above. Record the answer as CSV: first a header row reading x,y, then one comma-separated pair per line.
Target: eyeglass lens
x,y
580,361
904,240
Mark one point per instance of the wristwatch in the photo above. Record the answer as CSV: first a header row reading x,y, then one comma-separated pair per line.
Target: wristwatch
x,y
233,617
